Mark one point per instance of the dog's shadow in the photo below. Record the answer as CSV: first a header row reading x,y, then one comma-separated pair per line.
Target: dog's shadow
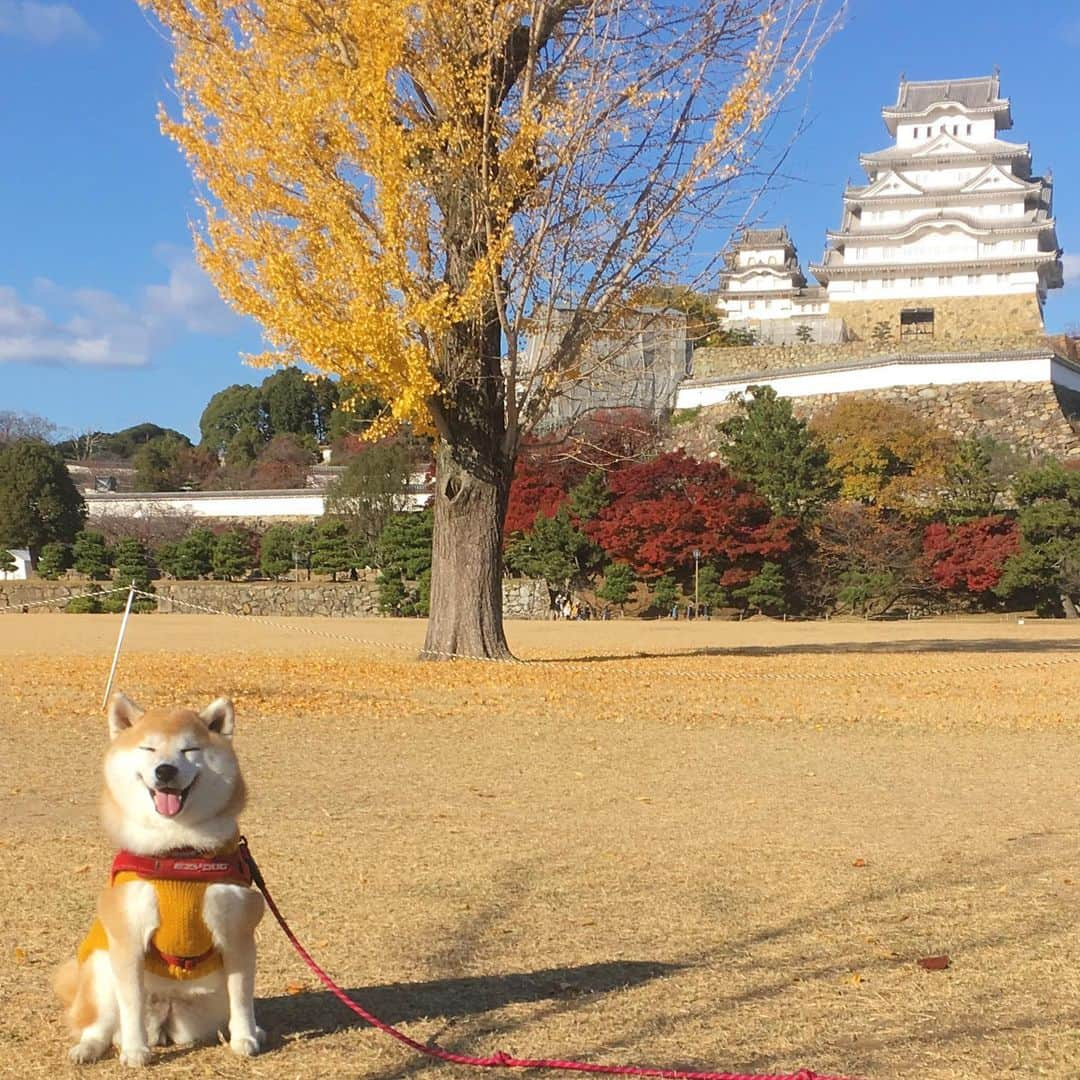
x,y
312,1014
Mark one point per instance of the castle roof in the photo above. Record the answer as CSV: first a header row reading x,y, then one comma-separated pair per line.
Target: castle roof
x,y
947,150
980,95
763,238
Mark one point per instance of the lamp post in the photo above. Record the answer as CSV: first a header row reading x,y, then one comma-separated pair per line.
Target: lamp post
x,y
697,556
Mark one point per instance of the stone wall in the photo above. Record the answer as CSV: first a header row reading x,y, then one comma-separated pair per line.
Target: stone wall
x,y
34,592
1037,419
522,598
744,360
957,319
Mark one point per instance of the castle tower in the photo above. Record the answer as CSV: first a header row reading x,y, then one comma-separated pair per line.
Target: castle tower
x,y
952,236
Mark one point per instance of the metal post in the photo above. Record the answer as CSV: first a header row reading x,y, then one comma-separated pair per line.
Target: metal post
x,y
697,556
119,642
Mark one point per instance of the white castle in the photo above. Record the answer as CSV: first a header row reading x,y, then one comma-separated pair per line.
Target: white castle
x,y
950,237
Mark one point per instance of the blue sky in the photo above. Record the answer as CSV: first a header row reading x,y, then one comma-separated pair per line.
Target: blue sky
x,y
106,321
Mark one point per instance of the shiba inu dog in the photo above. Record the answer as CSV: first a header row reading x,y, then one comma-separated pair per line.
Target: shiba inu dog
x,y
171,956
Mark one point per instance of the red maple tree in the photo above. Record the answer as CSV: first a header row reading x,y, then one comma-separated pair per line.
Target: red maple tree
x,y
539,487
661,510
549,466
970,557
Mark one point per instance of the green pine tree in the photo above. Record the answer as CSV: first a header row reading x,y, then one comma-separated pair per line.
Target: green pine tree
x,y
555,551
131,564
276,551
1048,565
766,590
403,556
665,593
332,552
55,558
773,451
232,556
618,584
193,556
586,500
90,555
304,546
711,594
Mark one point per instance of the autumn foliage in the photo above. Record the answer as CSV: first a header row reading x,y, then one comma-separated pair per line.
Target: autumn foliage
x,y
538,487
661,510
971,556
884,454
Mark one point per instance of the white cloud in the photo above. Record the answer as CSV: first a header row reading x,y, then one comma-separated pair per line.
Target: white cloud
x,y
1070,265
43,24
93,327
188,297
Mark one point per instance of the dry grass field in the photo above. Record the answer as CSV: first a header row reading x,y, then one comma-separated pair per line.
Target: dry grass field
x,y
717,845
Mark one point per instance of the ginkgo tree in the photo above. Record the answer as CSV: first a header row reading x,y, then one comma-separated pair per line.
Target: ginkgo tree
x,y
404,194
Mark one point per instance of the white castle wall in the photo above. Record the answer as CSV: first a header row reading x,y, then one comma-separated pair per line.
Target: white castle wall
x,y
238,505
885,374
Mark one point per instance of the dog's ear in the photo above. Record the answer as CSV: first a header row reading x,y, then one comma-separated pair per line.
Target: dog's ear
x,y
219,716
123,712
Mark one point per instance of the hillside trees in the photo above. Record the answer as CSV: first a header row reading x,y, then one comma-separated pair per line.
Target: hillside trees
x,y
231,413
39,502
402,193
16,426
171,463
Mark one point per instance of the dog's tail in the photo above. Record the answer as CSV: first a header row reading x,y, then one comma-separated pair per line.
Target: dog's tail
x,y
66,981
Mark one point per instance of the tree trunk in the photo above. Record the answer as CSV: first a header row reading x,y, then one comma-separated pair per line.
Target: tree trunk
x,y
1069,606
466,558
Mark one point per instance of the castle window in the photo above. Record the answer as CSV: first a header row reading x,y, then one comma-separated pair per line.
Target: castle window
x,y
917,322
969,129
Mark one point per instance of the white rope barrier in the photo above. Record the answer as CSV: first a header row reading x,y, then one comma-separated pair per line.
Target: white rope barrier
x,y
61,599
696,672
690,673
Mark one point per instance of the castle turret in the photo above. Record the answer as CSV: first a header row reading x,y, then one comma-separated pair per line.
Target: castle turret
x,y
763,288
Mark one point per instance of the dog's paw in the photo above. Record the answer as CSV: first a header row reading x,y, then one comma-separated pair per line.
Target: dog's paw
x,y
135,1057
247,1045
84,1053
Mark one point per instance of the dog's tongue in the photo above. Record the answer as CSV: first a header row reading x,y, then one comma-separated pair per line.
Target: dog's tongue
x,y
167,803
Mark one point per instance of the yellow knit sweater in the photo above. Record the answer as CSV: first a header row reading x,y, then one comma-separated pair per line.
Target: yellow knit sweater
x,y
182,932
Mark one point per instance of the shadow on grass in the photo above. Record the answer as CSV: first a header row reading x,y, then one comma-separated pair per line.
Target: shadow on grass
x,y
1033,646
310,1015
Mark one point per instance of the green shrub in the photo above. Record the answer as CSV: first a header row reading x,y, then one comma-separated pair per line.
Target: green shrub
x,y
55,558
83,605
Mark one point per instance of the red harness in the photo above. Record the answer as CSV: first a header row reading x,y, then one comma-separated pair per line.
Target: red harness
x,y
231,868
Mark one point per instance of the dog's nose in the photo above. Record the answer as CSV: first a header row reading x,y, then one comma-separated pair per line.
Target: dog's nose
x,y
164,773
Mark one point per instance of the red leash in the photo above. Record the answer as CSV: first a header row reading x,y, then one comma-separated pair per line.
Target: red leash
x,y
500,1059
